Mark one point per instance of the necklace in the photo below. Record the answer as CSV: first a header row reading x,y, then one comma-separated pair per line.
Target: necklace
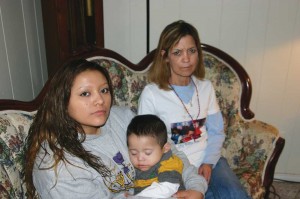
x,y
183,103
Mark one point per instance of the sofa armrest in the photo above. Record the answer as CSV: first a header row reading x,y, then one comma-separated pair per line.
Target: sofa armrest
x,y
262,140
14,126
252,151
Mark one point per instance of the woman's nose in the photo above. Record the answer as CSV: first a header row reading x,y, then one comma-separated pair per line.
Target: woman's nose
x,y
99,99
185,56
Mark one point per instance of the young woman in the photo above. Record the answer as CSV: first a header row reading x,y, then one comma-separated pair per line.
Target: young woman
x,y
76,147
186,102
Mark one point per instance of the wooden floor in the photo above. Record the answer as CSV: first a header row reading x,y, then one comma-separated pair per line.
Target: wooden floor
x,y
285,190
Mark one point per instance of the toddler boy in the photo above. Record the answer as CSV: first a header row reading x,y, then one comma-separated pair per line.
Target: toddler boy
x,y
151,154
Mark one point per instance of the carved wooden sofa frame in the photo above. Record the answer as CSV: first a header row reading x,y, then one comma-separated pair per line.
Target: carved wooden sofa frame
x,y
251,147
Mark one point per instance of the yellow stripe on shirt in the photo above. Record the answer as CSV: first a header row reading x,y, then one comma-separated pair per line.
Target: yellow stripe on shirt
x,y
174,163
145,183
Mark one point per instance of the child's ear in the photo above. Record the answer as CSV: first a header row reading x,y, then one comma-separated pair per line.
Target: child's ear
x,y
167,147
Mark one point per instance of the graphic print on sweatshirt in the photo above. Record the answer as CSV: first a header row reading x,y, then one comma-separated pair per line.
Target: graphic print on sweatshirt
x,y
187,131
121,176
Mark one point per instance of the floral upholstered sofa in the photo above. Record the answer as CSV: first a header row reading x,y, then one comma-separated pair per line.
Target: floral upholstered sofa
x,y
252,147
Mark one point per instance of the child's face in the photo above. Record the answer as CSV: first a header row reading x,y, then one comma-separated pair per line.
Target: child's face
x,y
90,100
144,151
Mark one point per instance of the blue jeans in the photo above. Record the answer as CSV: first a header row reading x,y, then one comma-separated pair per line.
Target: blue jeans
x,y
224,183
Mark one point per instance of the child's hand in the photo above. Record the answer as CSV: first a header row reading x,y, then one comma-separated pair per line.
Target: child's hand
x,y
127,195
205,170
188,194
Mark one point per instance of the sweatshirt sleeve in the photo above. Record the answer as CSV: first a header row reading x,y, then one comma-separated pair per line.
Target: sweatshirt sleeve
x,y
191,179
73,179
146,102
216,137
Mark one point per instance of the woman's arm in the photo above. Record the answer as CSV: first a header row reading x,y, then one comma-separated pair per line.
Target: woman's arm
x,y
74,180
192,180
147,102
215,128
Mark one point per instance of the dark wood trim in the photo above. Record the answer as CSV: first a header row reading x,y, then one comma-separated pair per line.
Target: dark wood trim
x,y
271,165
99,18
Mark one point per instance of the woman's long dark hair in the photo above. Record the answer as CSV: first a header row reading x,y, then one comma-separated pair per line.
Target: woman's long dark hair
x,y
53,124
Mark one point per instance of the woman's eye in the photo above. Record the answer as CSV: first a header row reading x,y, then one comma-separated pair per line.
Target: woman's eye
x,y
104,90
84,94
176,53
192,50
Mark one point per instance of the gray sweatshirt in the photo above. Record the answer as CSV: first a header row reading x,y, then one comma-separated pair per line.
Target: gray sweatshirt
x,y
78,180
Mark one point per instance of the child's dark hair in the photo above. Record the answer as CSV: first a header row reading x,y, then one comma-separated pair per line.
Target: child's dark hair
x,y
148,125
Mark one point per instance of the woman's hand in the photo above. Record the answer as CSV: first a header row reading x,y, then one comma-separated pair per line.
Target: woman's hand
x,y
205,171
188,194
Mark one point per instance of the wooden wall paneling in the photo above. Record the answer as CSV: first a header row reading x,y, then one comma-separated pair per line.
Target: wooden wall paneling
x,y
275,62
33,50
125,28
204,11
255,45
233,28
5,79
290,115
17,49
137,36
41,41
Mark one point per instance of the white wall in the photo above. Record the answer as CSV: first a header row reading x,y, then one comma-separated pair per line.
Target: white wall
x,y
125,28
23,70
263,35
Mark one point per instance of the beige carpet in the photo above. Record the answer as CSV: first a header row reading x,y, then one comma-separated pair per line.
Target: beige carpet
x,y
285,190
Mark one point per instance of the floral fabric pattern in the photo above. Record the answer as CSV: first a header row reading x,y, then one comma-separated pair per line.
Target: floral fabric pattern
x,y
127,85
14,126
247,146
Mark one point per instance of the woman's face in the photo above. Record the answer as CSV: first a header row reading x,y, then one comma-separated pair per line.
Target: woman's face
x,y
183,59
90,100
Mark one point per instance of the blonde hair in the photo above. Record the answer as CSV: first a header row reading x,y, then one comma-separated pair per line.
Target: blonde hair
x,y
159,72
